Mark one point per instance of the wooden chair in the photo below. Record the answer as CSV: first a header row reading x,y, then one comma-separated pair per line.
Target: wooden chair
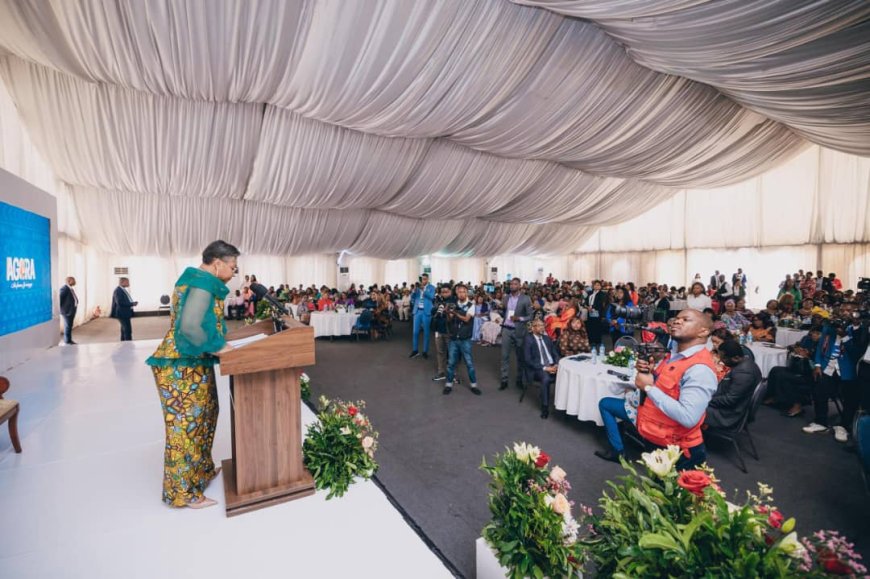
x,y
9,411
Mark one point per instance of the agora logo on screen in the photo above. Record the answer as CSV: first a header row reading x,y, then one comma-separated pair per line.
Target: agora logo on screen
x,y
20,269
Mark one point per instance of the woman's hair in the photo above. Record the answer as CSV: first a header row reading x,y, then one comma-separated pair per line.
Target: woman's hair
x,y
219,250
722,334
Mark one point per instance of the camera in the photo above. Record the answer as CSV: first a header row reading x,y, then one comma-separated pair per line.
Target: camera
x,y
629,312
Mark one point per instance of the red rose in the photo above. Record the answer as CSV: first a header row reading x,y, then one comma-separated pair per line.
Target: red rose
x,y
543,459
775,519
694,481
836,567
352,410
762,509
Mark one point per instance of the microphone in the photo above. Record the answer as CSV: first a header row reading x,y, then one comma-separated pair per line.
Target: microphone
x,y
263,294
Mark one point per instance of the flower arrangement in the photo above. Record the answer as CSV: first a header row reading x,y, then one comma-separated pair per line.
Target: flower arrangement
x,y
618,357
304,386
664,523
532,530
340,446
826,552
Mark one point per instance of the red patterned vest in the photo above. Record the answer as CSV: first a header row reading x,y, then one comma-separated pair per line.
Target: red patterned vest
x,y
653,424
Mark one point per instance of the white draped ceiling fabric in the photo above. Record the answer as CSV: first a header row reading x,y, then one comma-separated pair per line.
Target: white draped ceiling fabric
x,y
394,129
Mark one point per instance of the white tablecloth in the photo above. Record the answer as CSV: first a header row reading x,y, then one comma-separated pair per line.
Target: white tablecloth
x,y
768,357
679,305
788,336
332,323
580,385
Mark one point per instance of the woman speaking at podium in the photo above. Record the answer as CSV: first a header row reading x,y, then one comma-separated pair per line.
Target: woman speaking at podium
x,y
183,367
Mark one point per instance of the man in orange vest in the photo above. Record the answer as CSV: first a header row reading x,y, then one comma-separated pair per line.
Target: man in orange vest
x,y
679,389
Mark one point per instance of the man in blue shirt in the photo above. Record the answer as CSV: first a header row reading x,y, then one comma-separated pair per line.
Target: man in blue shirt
x,y
421,306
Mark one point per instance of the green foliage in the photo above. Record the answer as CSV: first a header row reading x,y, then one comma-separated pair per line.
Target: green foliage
x,y
263,311
340,446
618,358
529,537
650,526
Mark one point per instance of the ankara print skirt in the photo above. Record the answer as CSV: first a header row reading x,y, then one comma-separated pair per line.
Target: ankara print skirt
x,y
188,395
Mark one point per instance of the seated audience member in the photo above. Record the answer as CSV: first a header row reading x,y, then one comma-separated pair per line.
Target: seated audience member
x,y
770,313
568,310
298,309
249,302
236,306
617,323
790,386
404,305
541,361
732,397
490,331
762,332
325,302
789,289
698,300
677,394
573,339
481,314
734,320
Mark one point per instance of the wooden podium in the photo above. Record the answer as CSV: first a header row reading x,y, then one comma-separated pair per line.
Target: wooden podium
x,y
266,468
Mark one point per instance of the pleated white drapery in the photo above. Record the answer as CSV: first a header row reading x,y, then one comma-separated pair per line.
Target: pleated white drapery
x,y
396,129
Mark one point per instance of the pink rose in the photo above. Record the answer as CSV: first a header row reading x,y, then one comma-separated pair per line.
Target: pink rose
x,y
368,442
557,474
560,504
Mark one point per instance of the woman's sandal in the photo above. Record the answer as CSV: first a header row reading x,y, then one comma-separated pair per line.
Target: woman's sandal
x,y
202,503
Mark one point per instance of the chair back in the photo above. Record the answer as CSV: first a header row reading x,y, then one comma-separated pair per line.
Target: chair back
x,y
626,342
754,403
364,321
4,386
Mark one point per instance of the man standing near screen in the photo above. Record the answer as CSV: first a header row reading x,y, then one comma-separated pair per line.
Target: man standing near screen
x,y
122,308
69,304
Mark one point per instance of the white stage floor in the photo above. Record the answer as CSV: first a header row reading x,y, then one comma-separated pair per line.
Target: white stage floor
x,y
83,499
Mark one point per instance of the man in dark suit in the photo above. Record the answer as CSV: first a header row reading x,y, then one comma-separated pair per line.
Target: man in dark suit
x,y
122,308
517,313
734,393
597,311
69,304
542,362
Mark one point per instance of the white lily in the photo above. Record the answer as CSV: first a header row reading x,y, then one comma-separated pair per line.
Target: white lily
x,y
791,546
662,461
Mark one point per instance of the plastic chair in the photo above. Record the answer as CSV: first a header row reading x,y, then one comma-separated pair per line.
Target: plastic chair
x,y
363,325
743,426
626,342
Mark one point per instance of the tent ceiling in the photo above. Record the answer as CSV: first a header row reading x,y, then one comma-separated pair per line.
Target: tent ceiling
x,y
397,128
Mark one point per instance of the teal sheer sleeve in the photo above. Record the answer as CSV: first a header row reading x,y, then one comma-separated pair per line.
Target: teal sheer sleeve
x,y
196,330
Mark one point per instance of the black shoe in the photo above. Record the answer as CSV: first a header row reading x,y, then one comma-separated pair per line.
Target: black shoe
x,y
414,354
476,391
609,455
72,343
425,356
447,390
458,380
439,377
503,386
545,412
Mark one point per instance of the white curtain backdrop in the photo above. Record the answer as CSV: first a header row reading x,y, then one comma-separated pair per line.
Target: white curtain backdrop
x,y
313,126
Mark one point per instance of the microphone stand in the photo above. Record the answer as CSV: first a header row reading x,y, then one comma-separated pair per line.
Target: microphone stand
x,y
278,320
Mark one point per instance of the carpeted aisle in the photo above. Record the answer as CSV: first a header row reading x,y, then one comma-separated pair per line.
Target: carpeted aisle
x,y
431,446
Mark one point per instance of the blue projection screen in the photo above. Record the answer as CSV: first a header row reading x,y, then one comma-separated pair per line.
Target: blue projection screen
x,y
25,248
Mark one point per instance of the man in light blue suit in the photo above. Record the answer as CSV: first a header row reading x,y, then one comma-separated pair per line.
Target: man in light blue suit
x,y
421,306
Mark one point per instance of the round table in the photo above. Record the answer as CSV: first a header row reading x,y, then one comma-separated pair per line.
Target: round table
x,y
768,356
580,385
332,323
788,336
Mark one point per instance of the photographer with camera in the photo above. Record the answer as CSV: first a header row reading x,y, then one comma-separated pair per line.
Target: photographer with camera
x,y
676,393
618,314
443,299
460,322
842,345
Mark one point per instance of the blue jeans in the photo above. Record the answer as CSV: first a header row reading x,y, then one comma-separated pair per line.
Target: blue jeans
x,y
611,409
422,322
456,348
